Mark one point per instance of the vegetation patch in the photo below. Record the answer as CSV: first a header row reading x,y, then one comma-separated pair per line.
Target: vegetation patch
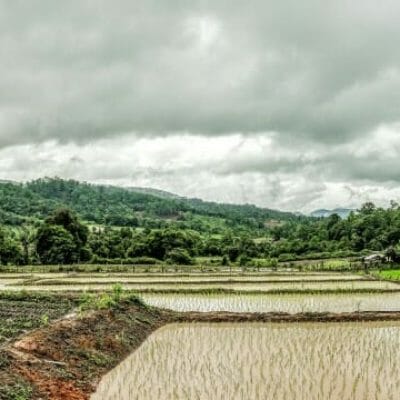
x,y
53,221
391,274
17,389
21,312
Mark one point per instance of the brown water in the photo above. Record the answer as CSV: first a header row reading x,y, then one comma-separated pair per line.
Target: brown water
x,y
289,303
238,286
357,361
96,278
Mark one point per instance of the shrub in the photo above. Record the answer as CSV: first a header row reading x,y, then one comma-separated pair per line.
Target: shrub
x,y
179,256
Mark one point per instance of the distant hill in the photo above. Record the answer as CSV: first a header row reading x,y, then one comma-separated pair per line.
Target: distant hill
x,y
324,213
155,192
116,206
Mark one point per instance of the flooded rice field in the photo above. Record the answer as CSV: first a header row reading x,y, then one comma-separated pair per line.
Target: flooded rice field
x,y
288,303
251,282
195,279
288,275
242,286
358,361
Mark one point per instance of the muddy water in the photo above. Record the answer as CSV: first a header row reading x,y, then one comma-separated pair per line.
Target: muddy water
x,y
289,303
358,361
84,278
238,286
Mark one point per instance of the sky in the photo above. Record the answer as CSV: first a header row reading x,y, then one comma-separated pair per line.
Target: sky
x,y
293,105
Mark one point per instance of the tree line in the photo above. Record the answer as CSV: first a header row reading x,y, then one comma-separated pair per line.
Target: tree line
x,y
62,238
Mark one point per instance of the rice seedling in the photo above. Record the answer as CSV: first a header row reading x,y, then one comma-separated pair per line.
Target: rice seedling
x,y
96,278
211,286
289,303
355,361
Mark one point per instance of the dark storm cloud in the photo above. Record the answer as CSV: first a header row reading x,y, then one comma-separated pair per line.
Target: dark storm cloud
x,y
310,71
287,104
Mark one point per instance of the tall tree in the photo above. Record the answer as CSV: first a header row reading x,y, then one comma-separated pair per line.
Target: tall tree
x,y
62,238
10,251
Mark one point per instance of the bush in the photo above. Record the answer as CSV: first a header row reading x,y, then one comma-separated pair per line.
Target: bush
x,y
244,260
144,261
179,256
265,263
125,261
101,301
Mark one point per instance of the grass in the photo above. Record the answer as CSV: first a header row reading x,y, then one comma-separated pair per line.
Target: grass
x,y
203,264
19,390
21,312
329,265
210,291
390,274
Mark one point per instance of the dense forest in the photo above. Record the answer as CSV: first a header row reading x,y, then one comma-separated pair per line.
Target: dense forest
x,y
129,207
54,221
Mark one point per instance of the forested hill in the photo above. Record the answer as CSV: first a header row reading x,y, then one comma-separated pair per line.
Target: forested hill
x,y
20,203
42,229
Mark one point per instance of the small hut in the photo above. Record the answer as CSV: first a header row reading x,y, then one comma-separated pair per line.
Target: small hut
x,y
373,260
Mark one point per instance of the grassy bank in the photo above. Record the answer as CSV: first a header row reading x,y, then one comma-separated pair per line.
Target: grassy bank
x,y
80,289
258,265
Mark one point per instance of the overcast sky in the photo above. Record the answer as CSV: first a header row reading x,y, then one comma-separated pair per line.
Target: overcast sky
x,y
286,104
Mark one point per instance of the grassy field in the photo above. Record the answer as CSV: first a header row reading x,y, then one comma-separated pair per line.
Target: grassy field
x,y
390,274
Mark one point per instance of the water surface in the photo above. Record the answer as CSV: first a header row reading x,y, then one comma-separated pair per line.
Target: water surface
x,y
336,361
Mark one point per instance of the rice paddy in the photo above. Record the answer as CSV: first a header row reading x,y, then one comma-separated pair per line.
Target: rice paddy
x,y
206,283
355,361
248,360
82,278
288,303
317,287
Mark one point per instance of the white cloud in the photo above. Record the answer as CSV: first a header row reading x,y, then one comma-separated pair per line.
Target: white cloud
x,y
232,168
283,104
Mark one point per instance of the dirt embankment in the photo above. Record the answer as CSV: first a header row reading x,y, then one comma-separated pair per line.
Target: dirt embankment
x,y
67,359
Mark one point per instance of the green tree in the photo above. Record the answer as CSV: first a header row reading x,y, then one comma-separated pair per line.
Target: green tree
x,y
10,250
179,256
55,245
61,239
